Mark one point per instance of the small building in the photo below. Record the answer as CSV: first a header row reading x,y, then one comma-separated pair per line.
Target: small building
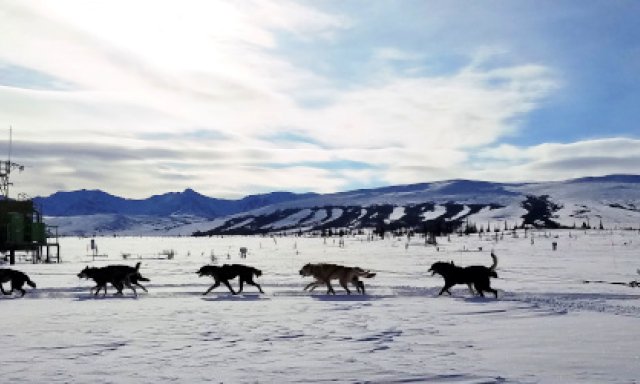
x,y
22,231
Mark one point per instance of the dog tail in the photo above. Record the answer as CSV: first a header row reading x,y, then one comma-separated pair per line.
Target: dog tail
x,y
31,283
137,266
141,278
366,274
495,262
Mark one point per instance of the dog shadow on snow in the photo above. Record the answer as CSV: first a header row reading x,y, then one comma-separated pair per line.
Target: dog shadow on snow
x,y
346,298
108,297
239,297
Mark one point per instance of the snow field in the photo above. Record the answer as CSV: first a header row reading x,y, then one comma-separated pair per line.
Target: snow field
x,y
546,327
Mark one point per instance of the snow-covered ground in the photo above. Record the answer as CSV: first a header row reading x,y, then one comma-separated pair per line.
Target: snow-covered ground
x,y
546,327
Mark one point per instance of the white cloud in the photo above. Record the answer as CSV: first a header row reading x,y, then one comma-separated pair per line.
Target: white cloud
x,y
144,85
557,161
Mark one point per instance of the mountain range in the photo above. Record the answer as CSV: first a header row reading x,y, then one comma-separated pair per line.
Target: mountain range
x,y
613,200
189,202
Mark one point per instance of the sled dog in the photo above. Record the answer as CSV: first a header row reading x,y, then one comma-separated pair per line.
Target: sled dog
x,y
226,272
324,273
359,284
17,280
118,275
477,276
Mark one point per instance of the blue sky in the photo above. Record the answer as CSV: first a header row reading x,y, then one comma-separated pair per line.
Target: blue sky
x,y
234,98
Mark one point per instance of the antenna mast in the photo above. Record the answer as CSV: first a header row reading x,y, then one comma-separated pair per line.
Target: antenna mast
x,y
5,169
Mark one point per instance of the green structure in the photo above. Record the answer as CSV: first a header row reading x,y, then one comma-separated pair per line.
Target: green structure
x,y
22,231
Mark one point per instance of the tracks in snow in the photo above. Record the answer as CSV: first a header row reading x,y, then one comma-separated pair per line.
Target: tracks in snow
x,y
554,302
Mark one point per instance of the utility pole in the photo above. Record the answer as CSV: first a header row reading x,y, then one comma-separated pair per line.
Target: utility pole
x,y
6,166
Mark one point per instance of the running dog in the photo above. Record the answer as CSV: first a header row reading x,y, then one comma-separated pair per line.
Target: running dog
x,y
226,272
17,280
118,275
477,276
324,273
356,282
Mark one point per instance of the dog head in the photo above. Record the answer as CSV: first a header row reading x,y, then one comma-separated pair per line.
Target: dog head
x,y
441,268
84,274
206,270
306,270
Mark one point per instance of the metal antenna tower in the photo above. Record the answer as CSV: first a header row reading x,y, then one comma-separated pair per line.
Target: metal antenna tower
x,y
5,169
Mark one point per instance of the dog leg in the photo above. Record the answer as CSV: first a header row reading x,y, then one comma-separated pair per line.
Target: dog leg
x,y
18,287
142,287
445,289
216,284
241,283
229,286
358,284
313,284
128,284
98,288
119,285
484,287
330,288
495,293
250,281
344,285
473,293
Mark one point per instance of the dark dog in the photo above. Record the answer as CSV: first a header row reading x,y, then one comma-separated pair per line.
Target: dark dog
x,y
324,273
476,275
17,280
228,272
118,275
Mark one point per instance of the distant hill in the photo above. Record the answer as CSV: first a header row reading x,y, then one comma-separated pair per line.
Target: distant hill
x,y
188,202
613,200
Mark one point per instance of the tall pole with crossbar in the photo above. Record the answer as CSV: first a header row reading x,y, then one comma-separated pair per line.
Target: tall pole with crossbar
x,y
6,166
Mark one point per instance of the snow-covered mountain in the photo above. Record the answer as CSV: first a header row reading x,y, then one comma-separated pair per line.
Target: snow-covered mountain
x,y
612,200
